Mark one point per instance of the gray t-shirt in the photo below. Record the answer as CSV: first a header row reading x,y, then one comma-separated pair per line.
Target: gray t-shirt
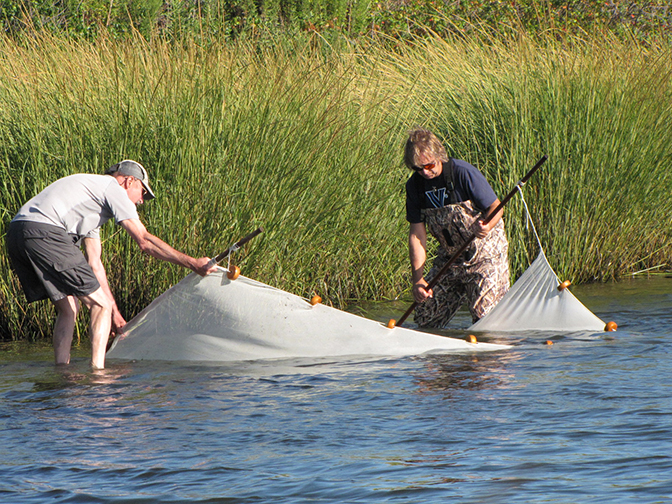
x,y
80,204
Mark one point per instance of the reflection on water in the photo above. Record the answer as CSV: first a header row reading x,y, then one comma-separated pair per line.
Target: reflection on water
x,y
450,373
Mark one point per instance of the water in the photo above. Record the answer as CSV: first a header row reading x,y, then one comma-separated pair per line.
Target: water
x,y
588,419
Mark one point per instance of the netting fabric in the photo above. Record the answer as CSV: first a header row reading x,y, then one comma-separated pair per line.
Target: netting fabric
x,y
534,303
213,318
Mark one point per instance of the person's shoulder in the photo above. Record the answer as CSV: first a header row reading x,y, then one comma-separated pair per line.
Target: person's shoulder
x,y
461,166
88,178
106,181
109,188
467,173
413,181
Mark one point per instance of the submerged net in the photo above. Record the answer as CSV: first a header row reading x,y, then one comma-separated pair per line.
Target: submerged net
x,y
534,302
213,318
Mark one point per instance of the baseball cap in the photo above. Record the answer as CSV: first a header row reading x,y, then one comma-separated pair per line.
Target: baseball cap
x,y
133,169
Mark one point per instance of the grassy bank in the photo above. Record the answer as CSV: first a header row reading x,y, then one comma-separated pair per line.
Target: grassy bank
x,y
305,138
647,21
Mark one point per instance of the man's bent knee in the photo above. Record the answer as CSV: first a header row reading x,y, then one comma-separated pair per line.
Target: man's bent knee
x,y
97,300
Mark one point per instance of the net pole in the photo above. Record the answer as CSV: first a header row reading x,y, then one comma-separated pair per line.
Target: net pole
x,y
215,260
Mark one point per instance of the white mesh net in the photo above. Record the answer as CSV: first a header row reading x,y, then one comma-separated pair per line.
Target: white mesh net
x,y
534,303
213,318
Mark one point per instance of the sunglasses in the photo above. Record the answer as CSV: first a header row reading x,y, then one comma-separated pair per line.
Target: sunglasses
x,y
428,166
144,191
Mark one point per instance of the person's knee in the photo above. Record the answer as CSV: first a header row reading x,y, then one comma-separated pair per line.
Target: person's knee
x,y
67,307
97,302
103,305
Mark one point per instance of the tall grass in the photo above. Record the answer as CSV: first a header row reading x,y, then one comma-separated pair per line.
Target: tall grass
x,y
306,139
599,109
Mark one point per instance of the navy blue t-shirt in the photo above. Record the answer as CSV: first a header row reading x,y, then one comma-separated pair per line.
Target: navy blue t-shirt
x,y
470,184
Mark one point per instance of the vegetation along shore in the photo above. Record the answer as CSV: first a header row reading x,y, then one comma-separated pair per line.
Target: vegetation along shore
x,y
298,126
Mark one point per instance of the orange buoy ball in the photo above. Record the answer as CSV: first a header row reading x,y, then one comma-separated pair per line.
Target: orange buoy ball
x,y
471,339
611,326
315,300
549,342
233,273
391,324
564,285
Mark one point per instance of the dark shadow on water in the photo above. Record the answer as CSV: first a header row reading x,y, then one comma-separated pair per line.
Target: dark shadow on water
x,y
453,374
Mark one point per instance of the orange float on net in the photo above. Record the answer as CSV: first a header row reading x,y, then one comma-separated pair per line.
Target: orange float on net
x,y
471,339
549,342
233,273
391,324
315,300
611,326
564,285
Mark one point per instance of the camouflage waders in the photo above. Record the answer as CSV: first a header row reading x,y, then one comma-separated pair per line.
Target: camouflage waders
x,y
480,276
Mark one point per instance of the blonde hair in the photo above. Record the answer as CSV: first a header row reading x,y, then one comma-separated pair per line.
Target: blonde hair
x,y
422,141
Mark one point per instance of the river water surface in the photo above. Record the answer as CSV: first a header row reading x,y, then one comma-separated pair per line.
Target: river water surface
x,y
587,419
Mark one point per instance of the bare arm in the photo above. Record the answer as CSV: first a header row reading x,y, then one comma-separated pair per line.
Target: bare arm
x,y
159,249
93,250
480,229
417,251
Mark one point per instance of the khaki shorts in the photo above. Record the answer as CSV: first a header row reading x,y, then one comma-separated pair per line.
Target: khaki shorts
x,y
48,263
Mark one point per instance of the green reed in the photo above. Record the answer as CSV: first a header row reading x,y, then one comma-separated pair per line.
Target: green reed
x,y
597,107
305,139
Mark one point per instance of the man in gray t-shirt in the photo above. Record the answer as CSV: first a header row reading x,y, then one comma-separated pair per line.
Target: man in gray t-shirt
x,y
44,240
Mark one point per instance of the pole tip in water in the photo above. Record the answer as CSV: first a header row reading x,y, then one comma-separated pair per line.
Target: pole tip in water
x,y
233,273
611,326
564,285
391,324
471,339
315,300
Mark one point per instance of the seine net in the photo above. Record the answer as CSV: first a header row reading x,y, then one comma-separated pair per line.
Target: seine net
x,y
213,318
534,302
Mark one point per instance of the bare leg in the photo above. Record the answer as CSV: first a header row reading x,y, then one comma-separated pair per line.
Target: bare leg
x,y
64,327
101,324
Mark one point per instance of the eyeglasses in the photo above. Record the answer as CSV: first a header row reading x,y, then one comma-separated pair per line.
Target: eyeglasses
x,y
144,191
428,166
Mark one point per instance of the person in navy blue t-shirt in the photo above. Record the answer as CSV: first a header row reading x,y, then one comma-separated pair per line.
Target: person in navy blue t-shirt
x,y
450,198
